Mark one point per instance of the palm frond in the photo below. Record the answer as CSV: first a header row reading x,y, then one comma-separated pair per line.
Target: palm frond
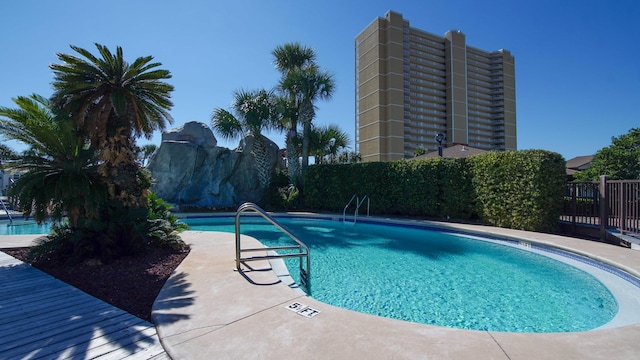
x,y
225,124
291,56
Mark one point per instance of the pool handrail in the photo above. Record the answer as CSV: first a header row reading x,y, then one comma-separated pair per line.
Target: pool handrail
x,y
344,212
303,249
366,197
358,205
7,211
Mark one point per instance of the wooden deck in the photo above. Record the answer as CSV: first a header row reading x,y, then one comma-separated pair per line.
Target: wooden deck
x,y
44,318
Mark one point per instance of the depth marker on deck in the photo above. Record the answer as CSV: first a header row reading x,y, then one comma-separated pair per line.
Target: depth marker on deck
x,y
303,310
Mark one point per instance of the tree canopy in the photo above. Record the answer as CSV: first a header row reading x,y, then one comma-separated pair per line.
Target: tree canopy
x,y
619,161
81,168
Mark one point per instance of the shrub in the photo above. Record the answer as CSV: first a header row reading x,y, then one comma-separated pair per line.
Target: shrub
x,y
521,190
128,231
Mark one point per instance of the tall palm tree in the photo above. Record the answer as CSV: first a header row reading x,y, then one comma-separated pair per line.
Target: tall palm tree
x,y
309,84
60,169
288,58
253,112
111,101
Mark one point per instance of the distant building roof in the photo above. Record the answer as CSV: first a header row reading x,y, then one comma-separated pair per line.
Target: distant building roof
x,y
578,164
452,152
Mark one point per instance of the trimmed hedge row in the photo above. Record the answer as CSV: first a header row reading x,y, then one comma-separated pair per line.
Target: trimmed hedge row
x,y
520,190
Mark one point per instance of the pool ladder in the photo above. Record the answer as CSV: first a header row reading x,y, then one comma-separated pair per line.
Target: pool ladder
x,y
303,249
7,211
357,204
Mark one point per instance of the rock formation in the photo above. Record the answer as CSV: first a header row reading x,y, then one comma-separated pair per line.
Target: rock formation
x,y
191,171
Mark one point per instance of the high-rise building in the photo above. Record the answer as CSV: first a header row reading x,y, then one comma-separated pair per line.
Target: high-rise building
x,y
412,85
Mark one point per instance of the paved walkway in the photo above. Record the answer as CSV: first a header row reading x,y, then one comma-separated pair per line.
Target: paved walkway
x,y
207,310
44,318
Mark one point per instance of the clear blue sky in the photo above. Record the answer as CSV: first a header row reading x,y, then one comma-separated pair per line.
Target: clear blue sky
x,y
577,62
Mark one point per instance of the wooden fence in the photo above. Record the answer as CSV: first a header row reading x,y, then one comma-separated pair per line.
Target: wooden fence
x,y
607,204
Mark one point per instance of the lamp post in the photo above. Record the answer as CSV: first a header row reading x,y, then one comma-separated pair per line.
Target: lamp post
x,y
439,138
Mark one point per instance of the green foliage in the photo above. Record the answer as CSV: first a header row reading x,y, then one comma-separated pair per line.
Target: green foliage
x,y
123,234
456,197
128,231
302,83
519,190
419,151
60,173
81,162
326,141
346,157
403,188
253,112
7,153
281,195
164,226
289,196
620,160
522,190
97,90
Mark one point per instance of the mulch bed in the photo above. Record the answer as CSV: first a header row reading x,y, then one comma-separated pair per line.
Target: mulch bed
x,y
129,283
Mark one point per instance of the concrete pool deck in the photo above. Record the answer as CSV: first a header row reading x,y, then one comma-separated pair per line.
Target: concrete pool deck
x,y
207,310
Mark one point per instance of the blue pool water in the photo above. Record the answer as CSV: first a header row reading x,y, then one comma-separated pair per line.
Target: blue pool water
x,y
437,278
428,277
22,227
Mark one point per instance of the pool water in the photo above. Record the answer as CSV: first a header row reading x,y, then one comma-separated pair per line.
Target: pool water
x,y
437,278
23,227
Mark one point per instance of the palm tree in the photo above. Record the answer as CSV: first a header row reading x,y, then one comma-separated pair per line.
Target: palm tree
x,y
288,58
111,101
308,84
327,140
253,113
60,169
144,153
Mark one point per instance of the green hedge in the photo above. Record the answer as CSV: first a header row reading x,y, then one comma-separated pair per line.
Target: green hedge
x,y
430,187
521,190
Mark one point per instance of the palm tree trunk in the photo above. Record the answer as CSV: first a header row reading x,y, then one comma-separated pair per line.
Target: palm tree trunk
x,y
121,169
293,167
306,116
305,144
259,152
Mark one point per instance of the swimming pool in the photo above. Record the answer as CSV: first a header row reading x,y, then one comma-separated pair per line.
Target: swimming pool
x,y
441,278
23,227
414,287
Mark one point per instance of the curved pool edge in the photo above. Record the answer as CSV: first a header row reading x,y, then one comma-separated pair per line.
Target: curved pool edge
x,y
208,309
230,317
544,239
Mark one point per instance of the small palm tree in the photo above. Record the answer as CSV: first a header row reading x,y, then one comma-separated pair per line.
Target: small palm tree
x,y
111,101
327,140
144,153
253,112
60,169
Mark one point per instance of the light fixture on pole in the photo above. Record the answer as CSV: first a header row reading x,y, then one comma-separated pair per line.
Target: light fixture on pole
x,y
439,138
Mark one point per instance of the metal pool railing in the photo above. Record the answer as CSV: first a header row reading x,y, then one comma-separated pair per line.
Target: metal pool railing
x,y
303,249
7,211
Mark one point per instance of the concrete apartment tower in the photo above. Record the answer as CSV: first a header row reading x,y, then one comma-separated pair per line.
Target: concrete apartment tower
x,y
412,85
